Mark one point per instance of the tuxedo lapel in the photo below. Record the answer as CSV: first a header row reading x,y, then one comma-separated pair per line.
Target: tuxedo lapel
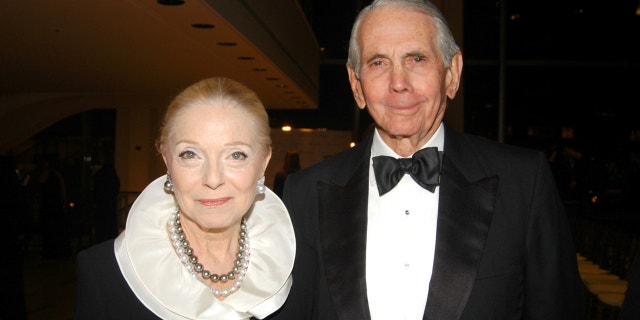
x,y
465,207
343,236
464,217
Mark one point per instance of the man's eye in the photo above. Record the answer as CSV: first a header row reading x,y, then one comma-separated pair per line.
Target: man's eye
x,y
238,155
187,155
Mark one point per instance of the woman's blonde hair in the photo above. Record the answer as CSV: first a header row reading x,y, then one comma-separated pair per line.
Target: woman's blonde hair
x,y
218,90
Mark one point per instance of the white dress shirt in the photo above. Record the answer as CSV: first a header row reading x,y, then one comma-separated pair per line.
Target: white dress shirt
x,y
401,237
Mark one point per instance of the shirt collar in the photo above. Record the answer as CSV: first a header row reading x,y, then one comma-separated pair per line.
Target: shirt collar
x,y
380,148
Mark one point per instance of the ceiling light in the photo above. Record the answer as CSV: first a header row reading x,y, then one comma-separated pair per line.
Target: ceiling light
x,y
245,58
227,44
203,26
259,69
171,2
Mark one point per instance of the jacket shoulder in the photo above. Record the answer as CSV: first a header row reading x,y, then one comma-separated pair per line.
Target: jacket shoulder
x,y
336,166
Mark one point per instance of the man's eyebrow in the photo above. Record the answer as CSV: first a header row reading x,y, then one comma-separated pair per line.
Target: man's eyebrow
x,y
415,54
375,56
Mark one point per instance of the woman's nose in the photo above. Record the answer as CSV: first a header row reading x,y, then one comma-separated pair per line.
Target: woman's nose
x,y
213,175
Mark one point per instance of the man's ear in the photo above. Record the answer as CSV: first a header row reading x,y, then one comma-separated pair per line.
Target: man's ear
x,y
356,87
453,76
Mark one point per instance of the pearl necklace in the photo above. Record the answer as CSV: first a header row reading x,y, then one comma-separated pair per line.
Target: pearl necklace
x,y
190,260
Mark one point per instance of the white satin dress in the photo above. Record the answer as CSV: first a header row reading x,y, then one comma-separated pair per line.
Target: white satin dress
x,y
163,284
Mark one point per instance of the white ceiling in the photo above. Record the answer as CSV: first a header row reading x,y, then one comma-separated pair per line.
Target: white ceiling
x,y
60,57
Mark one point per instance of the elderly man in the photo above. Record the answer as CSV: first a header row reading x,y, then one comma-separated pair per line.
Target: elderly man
x,y
420,221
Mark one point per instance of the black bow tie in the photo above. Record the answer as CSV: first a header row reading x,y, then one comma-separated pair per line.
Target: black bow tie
x,y
423,167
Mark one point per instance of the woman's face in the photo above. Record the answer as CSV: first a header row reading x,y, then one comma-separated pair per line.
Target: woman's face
x,y
214,158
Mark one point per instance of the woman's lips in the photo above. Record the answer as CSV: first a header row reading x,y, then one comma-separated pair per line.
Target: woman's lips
x,y
213,202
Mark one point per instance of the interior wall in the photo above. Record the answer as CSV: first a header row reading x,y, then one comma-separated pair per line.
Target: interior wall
x,y
312,146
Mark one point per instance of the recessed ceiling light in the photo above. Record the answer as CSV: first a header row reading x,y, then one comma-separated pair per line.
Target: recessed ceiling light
x,y
281,85
227,44
259,69
171,2
272,79
245,58
203,25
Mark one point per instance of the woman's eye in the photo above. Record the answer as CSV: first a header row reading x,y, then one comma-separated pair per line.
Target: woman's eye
x,y
187,155
238,155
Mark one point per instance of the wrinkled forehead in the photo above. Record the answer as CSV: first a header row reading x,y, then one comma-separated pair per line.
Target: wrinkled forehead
x,y
391,28
385,17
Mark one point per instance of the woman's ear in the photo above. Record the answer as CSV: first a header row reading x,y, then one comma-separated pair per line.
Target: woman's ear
x,y
267,158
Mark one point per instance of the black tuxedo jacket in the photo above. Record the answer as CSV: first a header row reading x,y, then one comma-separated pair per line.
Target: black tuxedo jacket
x,y
503,245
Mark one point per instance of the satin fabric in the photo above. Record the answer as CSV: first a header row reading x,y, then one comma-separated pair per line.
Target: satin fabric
x,y
423,167
162,283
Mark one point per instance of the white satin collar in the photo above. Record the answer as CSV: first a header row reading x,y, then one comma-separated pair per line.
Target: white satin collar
x,y
158,278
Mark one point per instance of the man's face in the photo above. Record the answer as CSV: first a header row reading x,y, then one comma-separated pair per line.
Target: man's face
x,y
403,81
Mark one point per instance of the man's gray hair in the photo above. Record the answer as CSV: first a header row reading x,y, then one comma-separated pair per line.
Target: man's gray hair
x,y
444,38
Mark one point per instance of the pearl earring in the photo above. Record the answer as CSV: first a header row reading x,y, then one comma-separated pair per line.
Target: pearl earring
x,y
261,188
168,185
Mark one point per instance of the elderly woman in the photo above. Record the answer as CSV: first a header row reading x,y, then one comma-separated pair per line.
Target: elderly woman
x,y
208,240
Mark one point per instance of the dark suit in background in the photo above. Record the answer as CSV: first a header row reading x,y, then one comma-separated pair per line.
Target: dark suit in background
x,y
631,306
